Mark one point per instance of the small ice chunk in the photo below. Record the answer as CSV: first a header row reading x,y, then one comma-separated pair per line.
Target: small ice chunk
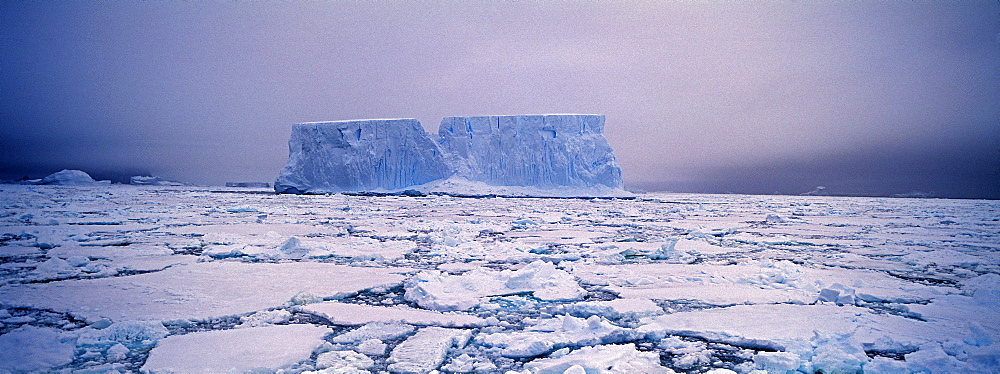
x,y
601,359
372,347
838,293
669,253
78,261
265,318
133,334
377,330
117,352
775,219
468,364
30,348
777,362
343,360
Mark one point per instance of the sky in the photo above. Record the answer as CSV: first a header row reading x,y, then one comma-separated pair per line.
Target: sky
x,y
862,97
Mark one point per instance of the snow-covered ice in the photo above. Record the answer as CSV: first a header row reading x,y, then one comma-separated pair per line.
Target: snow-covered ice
x,y
196,291
238,350
122,278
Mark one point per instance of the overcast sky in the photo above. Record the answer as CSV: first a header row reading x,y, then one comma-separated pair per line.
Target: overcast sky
x,y
874,97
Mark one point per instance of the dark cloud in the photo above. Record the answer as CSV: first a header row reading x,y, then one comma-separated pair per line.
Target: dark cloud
x,y
710,97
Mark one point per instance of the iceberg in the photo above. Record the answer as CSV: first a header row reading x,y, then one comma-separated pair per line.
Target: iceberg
x,y
520,154
359,155
548,151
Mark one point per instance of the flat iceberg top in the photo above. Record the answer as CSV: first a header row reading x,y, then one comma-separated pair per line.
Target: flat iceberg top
x,y
356,121
532,115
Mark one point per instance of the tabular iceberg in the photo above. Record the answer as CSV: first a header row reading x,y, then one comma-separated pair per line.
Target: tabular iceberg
x,y
549,152
359,156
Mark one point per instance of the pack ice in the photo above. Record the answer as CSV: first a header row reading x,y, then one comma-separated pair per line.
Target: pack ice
x,y
546,152
105,278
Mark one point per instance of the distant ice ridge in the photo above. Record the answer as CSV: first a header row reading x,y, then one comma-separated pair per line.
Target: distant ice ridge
x,y
552,155
361,155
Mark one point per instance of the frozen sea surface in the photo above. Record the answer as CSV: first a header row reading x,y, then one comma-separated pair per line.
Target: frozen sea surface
x,y
113,278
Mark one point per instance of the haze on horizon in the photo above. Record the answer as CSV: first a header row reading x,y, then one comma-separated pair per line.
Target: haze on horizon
x,y
865,97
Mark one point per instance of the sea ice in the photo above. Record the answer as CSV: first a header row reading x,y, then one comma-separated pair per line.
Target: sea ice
x,y
355,314
375,330
30,349
197,291
241,350
435,290
425,350
546,335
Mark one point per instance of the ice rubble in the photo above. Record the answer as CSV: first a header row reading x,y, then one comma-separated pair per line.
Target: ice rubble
x,y
359,155
438,291
237,350
555,152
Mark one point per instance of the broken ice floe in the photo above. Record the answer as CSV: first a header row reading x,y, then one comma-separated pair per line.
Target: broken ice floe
x,y
197,291
353,314
238,350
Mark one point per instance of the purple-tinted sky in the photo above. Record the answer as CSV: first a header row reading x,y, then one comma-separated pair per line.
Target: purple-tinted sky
x,y
875,97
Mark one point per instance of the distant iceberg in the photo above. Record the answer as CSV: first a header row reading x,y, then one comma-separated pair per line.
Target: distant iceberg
x,y
66,177
551,154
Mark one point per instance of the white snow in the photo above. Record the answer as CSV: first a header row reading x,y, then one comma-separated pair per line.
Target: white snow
x,y
438,291
240,350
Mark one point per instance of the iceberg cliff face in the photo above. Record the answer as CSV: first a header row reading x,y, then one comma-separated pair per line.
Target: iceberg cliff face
x,y
548,151
359,155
